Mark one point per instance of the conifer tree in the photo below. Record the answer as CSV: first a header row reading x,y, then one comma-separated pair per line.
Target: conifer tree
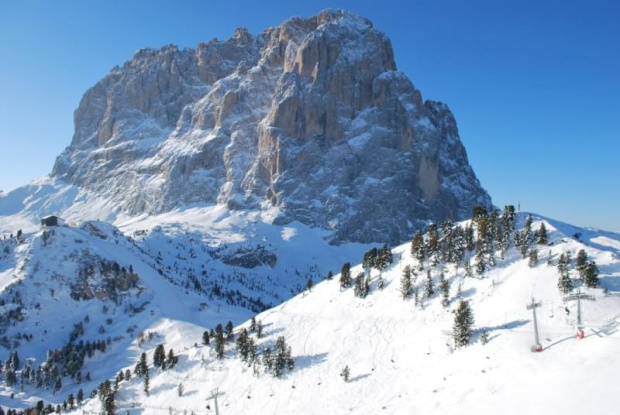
x,y
565,284
159,356
591,272
581,262
259,329
229,330
549,259
219,341
432,243
346,372
533,258
146,382
172,360
445,290
205,337
345,276
405,283
481,265
330,276
463,323
80,396
384,258
253,323
141,366
309,284
428,288
542,234
380,282
243,348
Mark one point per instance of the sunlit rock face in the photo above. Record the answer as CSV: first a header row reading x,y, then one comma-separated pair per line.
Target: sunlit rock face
x,y
309,121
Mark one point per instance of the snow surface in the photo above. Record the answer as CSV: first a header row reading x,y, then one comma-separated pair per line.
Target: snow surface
x,y
401,356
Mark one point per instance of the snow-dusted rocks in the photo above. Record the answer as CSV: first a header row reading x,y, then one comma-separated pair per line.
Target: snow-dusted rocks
x,y
311,118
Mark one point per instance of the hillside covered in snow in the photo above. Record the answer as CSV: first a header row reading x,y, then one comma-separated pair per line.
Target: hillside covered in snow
x,y
396,339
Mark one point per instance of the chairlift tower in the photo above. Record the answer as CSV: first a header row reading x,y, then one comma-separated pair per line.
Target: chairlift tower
x,y
578,296
214,394
533,306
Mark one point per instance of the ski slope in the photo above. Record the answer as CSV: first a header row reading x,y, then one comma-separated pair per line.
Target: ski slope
x,y
401,356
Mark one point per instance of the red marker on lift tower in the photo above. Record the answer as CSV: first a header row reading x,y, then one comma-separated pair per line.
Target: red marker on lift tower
x,y
578,296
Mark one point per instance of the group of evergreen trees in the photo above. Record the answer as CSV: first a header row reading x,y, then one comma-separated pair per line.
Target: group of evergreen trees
x,y
276,361
587,272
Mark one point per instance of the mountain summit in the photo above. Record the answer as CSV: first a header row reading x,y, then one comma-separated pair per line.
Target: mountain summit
x,y
308,121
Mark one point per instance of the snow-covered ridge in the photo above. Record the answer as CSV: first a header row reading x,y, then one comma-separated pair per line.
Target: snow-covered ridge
x,y
401,355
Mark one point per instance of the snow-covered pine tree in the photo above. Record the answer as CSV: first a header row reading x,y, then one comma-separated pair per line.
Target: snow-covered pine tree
x,y
428,287
405,282
346,372
219,341
590,275
463,323
359,288
432,242
542,234
533,258
159,356
205,337
565,284
345,276
445,291
417,246
581,262
141,366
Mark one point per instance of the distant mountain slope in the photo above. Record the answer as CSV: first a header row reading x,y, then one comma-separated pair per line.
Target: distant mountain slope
x,y
401,355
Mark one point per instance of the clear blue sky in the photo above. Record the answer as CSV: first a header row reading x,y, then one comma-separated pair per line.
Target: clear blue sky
x,y
534,85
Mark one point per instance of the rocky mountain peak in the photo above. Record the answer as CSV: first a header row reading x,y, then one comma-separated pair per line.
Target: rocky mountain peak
x,y
309,121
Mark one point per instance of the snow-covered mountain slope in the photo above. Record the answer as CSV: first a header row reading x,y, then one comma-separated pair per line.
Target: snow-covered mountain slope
x,y
92,276
309,121
401,355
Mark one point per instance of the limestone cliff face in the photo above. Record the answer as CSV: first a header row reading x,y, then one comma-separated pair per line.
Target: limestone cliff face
x,y
309,120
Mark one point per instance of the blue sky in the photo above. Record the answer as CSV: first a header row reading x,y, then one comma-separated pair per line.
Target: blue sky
x,y
534,85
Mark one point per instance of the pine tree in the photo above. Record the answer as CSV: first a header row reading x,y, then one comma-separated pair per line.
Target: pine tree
x,y
219,341
253,323
146,382
330,276
380,282
533,258
565,284
259,329
384,258
405,283
549,259
591,272
309,284
229,330
432,244
428,288
205,337
243,345
370,259
542,234
463,323
581,262
358,286
80,396
172,360
445,291
142,366
346,372
481,264
345,276
159,356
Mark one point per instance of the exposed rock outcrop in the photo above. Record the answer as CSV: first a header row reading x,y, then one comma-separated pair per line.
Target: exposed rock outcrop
x,y
310,119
